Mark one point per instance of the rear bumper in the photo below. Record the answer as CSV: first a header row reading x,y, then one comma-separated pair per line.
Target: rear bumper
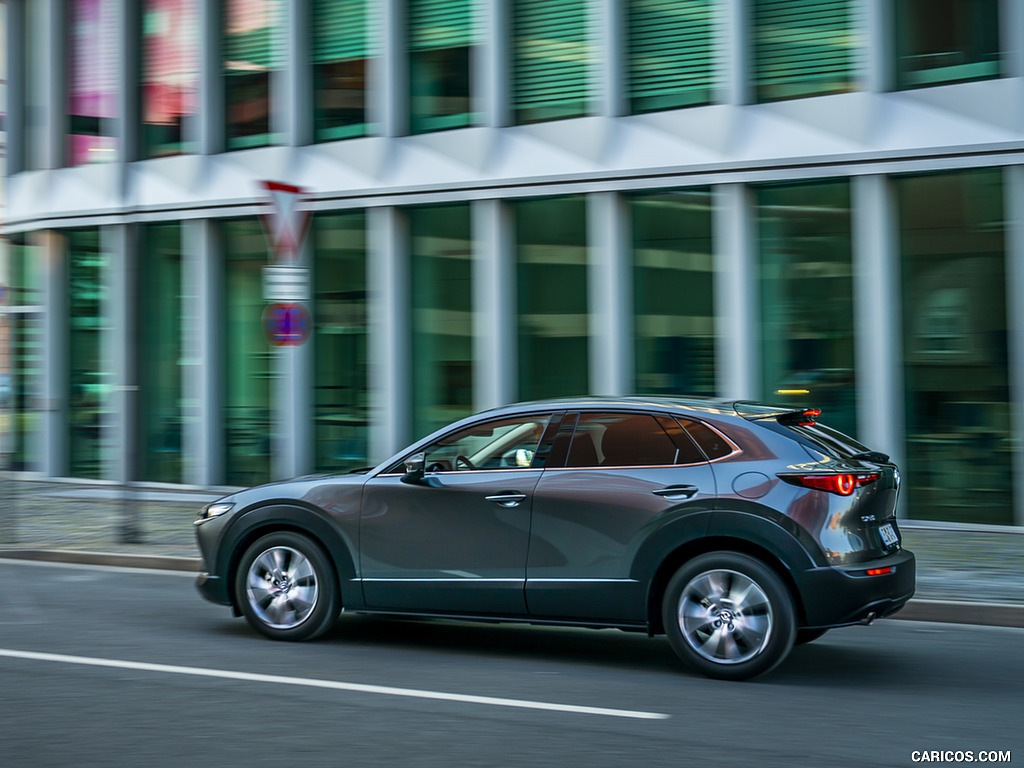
x,y
839,595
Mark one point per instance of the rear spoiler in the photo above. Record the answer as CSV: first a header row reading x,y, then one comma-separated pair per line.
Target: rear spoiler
x,y
800,417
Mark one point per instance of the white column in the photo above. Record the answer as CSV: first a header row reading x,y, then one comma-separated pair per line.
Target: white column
x,y
202,352
494,305
608,52
491,63
1015,322
876,52
733,43
387,98
52,249
610,287
118,345
877,316
206,127
389,337
127,124
737,309
292,110
1011,37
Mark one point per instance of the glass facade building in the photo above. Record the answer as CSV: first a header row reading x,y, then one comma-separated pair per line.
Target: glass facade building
x,y
813,202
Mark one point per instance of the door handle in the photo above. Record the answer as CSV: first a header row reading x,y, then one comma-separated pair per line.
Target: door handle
x,y
677,491
507,498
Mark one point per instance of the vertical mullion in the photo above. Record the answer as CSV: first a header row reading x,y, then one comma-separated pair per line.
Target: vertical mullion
x,y
1014,204
737,352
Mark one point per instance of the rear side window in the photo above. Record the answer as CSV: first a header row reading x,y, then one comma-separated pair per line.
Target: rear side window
x,y
711,442
620,440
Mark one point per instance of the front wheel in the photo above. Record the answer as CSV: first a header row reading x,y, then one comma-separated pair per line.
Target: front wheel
x,y
729,616
286,587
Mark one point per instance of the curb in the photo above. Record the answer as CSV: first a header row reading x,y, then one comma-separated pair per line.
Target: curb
x,y
160,562
920,609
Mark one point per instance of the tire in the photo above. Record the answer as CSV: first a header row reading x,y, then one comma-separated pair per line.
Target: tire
x,y
804,636
729,616
286,587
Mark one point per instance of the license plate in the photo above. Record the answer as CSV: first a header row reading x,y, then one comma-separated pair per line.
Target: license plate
x,y
889,536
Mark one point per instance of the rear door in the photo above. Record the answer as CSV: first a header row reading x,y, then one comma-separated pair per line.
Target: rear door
x,y
623,475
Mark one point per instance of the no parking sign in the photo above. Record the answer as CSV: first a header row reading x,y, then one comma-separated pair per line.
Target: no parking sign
x,y
286,325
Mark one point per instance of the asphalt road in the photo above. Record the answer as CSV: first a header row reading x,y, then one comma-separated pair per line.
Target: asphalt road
x,y
112,667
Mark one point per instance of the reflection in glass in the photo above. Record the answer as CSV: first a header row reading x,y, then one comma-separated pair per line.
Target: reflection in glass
x,y
959,445
249,363
806,280
442,316
441,36
250,56
159,337
946,41
670,53
170,74
551,275
340,324
673,283
551,59
92,81
21,382
341,50
90,379
803,48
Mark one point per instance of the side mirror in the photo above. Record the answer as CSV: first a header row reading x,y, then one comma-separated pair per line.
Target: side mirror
x,y
414,469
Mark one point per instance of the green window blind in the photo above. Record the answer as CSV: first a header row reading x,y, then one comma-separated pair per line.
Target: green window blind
x,y
340,30
802,48
440,24
253,46
671,53
551,59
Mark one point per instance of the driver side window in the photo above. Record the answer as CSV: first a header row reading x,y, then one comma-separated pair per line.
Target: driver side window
x,y
501,444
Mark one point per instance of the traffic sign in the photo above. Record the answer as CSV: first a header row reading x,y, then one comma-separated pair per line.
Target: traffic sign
x,y
286,284
285,222
286,325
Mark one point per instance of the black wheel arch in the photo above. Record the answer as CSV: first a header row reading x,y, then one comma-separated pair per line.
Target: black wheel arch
x,y
270,517
730,530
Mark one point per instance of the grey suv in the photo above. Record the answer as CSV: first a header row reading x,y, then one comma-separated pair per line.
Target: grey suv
x,y
736,529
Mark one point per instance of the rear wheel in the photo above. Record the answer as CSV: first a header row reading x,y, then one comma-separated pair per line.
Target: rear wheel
x,y
286,587
729,616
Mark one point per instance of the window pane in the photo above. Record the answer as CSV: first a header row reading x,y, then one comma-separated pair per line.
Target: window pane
x,y
170,74
441,37
806,276
92,81
551,59
551,256
90,379
671,53
250,56
24,384
339,270
711,443
803,48
442,316
248,368
506,444
159,347
341,50
946,41
959,443
673,292
620,440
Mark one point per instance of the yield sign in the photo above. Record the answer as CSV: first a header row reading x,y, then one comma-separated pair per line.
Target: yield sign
x,y
285,223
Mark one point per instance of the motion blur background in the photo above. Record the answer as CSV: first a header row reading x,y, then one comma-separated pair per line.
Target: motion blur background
x,y
815,202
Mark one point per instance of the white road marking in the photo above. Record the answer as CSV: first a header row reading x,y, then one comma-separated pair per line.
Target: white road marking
x,y
331,684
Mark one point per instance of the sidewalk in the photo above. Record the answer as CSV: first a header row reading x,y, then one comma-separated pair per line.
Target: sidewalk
x,y
972,575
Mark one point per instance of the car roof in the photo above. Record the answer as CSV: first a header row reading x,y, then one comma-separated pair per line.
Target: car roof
x,y
708,405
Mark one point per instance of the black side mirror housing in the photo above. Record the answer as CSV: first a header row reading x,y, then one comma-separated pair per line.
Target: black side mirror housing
x,y
414,469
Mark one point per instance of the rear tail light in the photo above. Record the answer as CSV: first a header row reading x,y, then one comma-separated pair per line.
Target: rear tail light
x,y
841,484
879,571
